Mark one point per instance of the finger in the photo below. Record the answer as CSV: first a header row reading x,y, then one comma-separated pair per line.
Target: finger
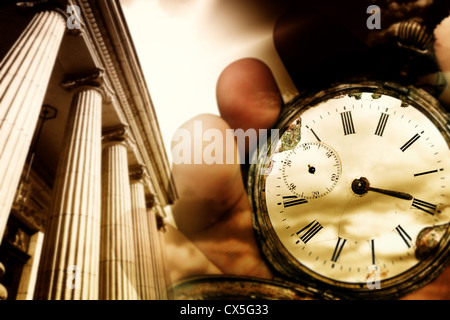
x,y
442,49
248,95
231,244
212,208
206,189
184,259
436,290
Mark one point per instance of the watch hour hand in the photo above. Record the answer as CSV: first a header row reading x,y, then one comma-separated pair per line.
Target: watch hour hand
x,y
362,186
397,194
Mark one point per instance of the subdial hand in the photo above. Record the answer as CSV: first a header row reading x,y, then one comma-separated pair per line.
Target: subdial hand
x,y
362,186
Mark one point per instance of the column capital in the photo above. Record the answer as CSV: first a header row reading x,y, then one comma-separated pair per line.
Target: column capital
x,y
118,135
150,200
43,5
94,79
138,172
69,12
160,223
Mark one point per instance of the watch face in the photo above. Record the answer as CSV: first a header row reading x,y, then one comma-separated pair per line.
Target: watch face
x,y
354,186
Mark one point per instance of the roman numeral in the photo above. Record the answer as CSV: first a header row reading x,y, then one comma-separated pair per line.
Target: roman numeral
x,y
405,236
309,231
347,122
289,201
381,124
372,248
315,135
410,142
424,206
337,250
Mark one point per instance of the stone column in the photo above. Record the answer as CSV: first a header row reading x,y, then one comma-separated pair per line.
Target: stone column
x,y
24,75
69,269
145,272
167,292
157,254
30,270
117,256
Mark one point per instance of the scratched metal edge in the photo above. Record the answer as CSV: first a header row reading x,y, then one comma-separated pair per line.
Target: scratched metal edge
x,y
229,287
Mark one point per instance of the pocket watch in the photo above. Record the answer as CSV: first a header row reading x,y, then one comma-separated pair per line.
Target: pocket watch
x,y
350,194
351,197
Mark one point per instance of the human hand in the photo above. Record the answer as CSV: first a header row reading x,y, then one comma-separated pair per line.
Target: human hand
x,y
213,210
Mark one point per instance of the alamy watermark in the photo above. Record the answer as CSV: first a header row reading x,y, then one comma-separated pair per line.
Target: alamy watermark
x,y
212,146
374,21
73,279
74,20
373,277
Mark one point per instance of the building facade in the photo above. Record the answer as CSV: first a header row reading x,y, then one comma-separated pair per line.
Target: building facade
x,y
84,177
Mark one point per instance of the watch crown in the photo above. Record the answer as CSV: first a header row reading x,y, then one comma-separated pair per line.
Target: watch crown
x,y
413,35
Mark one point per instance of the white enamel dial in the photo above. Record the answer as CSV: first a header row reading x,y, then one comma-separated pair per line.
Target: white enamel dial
x,y
380,175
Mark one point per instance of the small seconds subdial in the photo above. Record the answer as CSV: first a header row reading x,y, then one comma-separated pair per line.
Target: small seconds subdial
x,y
311,170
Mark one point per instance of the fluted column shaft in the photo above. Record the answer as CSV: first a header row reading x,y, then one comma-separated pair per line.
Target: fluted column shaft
x,y
70,255
145,272
117,257
157,257
24,75
166,291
